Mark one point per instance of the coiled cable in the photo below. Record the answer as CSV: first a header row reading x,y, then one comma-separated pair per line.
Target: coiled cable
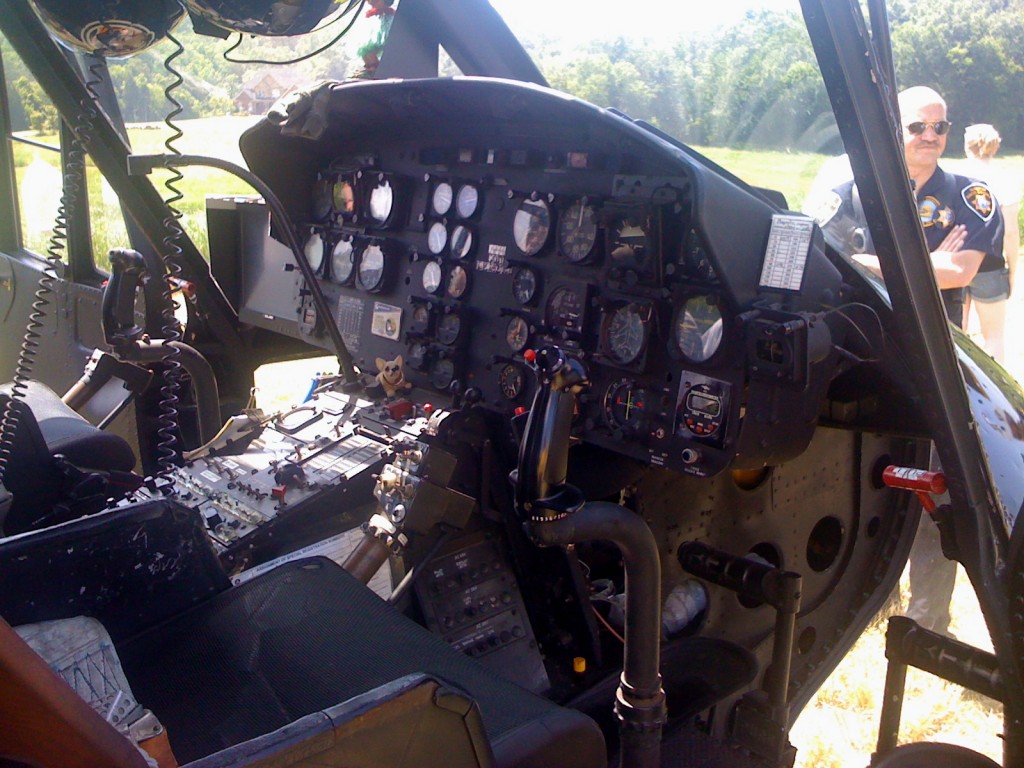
x,y
167,441
74,182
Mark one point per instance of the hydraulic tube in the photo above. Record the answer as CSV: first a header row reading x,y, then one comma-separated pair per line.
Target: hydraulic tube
x,y
555,513
640,700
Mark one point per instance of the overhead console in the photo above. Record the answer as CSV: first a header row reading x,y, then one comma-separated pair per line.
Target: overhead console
x,y
460,223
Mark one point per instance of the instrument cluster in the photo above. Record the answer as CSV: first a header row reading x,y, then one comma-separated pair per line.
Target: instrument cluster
x,y
503,218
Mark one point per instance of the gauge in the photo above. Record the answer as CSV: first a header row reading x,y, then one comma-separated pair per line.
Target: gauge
x,y
441,200
702,409
371,268
624,333
524,284
467,201
314,250
695,258
462,242
420,318
531,226
321,199
625,406
341,262
577,232
344,197
458,281
511,381
432,277
442,374
382,201
629,243
698,328
517,333
449,329
437,237
564,310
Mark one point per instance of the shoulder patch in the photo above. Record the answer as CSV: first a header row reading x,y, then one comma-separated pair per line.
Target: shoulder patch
x,y
826,208
979,199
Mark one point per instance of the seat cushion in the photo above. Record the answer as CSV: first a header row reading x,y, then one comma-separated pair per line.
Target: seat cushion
x,y
306,636
67,433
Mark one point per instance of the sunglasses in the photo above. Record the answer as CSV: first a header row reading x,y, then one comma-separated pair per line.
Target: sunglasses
x,y
941,127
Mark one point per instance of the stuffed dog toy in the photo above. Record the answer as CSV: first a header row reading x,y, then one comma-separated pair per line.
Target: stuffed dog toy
x,y
391,377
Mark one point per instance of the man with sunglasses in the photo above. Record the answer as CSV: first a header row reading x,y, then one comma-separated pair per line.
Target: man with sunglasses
x,y
962,224
964,231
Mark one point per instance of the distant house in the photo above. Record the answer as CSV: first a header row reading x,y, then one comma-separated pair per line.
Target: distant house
x,y
260,91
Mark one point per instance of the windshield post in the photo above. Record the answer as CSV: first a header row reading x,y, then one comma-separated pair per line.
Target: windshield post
x,y
857,86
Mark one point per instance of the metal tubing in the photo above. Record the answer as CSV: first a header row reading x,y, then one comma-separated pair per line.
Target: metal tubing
x,y
367,558
892,708
204,383
640,701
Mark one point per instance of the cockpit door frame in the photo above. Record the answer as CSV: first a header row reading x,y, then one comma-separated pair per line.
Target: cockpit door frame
x,y
862,100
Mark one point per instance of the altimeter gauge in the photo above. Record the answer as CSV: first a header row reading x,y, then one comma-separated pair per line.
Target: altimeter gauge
x,y
577,232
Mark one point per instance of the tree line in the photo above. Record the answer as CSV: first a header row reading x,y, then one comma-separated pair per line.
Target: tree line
x,y
753,84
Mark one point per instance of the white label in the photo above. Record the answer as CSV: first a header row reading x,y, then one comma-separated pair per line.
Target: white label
x,y
387,321
786,254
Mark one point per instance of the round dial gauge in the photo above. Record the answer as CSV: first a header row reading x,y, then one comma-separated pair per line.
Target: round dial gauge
x,y
462,242
420,318
695,258
314,250
564,310
623,334
341,262
524,284
625,406
442,374
343,197
577,232
437,237
441,199
371,268
511,381
698,328
531,226
382,201
629,243
467,201
322,199
517,333
432,277
458,281
449,329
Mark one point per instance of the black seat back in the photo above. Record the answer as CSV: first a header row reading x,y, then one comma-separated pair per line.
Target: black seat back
x,y
40,426
130,568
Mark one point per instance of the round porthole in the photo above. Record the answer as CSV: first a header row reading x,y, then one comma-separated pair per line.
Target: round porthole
x,y
824,544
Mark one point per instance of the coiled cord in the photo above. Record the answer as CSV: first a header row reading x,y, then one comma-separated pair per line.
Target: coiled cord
x,y
167,420
73,184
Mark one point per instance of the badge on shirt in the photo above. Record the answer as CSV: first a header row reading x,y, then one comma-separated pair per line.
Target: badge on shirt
x,y
979,199
932,213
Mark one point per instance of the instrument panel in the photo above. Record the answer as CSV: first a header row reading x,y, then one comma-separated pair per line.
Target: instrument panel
x,y
499,220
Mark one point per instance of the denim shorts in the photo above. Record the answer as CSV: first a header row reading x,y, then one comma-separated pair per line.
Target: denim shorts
x,y
990,287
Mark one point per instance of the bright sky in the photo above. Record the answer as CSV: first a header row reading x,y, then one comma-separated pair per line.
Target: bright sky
x,y
659,20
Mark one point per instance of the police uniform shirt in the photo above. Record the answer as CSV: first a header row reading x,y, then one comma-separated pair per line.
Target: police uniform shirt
x,y
944,201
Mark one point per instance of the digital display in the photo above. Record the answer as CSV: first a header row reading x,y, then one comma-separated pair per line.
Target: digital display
x,y
702,404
